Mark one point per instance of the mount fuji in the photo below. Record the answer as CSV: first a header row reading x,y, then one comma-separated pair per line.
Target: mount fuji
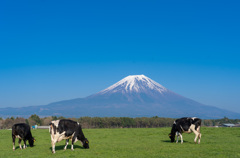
x,y
133,96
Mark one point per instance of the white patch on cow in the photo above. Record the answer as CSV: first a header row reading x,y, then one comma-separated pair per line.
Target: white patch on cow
x,y
194,118
192,128
61,136
56,122
17,136
198,129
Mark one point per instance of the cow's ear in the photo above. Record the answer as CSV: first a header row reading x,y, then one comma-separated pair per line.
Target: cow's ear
x,y
169,135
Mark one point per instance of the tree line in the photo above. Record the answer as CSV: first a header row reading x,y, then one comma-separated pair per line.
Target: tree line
x,y
109,122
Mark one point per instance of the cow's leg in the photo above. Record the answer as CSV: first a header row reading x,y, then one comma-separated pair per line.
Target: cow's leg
x,y
19,142
199,135
66,144
177,133
196,136
53,142
196,132
24,146
13,139
53,146
181,138
74,140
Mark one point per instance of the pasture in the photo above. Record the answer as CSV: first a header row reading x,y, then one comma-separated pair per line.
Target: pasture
x,y
130,143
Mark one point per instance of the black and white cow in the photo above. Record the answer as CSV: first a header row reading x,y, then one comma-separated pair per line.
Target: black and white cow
x,y
186,125
22,131
67,129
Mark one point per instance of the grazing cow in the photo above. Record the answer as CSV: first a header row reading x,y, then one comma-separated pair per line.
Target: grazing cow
x,y
67,129
22,131
186,125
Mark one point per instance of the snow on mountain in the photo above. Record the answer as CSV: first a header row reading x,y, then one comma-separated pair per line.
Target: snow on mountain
x,y
134,83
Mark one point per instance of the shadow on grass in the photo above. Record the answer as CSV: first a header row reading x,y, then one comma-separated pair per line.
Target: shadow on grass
x,y
169,141
61,147
17,147
28,146
166,141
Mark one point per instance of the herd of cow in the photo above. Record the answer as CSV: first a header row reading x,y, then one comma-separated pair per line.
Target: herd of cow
x,y
68,129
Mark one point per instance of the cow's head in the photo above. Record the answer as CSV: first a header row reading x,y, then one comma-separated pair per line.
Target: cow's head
x,y
172,137
85,143
31,141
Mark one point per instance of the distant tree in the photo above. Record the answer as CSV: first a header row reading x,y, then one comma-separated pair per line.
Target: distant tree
x,y
207,123
19,120
27,122
114,122
34,118
1,124
61,117
86,122
127,122
54,118
225,119
31,122
46,121
8,123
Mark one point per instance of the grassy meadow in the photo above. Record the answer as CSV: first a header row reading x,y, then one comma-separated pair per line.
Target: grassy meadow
x,y
130,143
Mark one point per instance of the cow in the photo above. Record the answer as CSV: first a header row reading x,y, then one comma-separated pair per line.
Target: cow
x,y
22,131
67,129
186,125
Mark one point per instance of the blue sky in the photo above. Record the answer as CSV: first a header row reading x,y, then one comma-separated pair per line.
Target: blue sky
x,y
58,50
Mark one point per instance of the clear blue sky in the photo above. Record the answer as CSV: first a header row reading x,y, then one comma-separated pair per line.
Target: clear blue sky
x,y
57,50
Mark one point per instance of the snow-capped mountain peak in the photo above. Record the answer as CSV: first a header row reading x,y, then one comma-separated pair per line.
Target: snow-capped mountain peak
x,y
134,83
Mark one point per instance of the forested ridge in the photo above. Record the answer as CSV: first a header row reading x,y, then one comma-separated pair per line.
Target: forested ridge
x,y
110,122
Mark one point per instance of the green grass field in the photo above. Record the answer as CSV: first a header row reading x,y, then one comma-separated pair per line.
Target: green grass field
x,y
131,143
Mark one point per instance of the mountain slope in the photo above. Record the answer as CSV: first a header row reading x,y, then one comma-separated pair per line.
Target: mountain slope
x,y
133,96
